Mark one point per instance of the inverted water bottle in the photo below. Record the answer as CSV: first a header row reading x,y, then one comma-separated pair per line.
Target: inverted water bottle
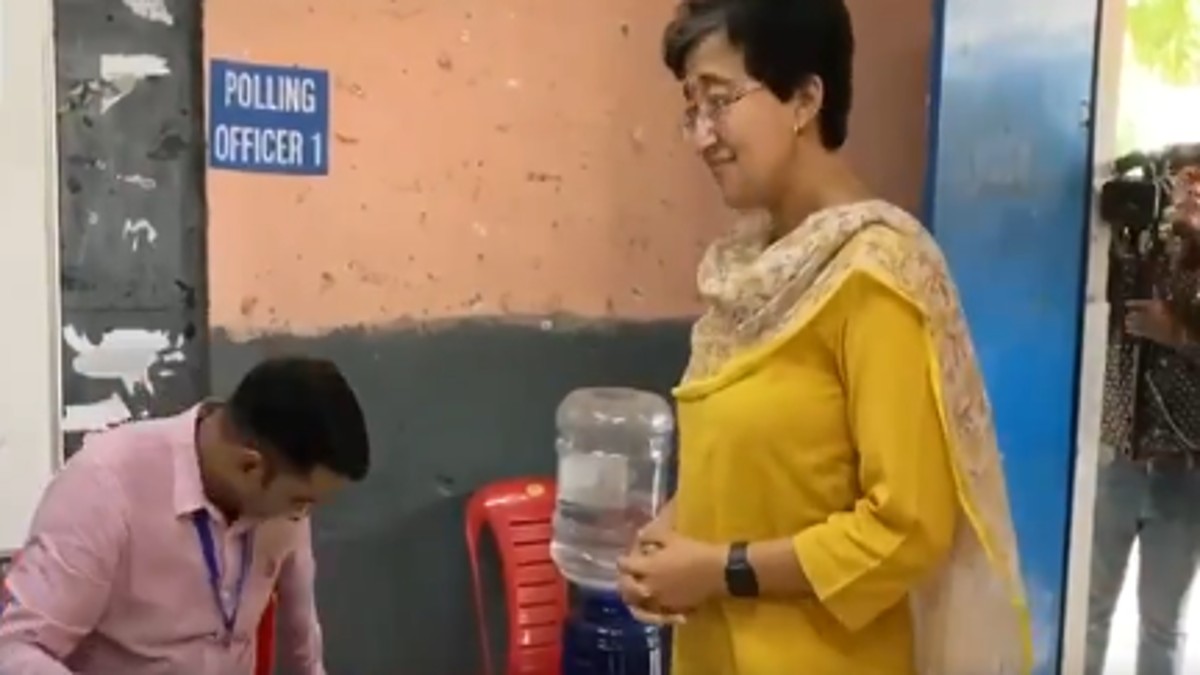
x,y
614,449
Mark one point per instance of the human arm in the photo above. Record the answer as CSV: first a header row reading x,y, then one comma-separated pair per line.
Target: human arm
x,y
59,585
300,644
861,562
1157,321
1172,317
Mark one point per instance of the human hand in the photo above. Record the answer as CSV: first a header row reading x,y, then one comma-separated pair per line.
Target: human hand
x,y
668,575
1152,319
645,609
662,525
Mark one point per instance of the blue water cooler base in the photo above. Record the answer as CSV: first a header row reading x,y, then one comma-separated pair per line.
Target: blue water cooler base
x,y
601,637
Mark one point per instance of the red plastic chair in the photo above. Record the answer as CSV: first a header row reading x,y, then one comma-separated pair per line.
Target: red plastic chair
x,y
264,642
519,513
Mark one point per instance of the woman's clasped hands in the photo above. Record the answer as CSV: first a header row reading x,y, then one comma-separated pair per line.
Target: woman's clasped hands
x,y
667,575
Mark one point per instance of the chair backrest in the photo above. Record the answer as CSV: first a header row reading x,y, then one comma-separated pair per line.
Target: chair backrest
x,y
519,512
5,566
264,641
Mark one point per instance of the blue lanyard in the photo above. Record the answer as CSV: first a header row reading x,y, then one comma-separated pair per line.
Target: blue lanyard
x,y
209,548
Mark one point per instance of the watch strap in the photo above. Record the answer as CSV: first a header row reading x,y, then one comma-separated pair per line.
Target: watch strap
x,y
740,578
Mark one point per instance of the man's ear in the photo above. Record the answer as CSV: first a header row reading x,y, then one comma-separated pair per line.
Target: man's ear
x,y
251,462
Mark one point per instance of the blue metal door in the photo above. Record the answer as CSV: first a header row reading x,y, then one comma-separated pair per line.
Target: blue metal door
x,y
1009,171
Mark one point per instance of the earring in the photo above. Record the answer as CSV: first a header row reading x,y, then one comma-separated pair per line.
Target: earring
x,y
796,127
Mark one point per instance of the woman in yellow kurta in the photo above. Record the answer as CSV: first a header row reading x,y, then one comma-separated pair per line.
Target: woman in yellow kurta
x,y
841,506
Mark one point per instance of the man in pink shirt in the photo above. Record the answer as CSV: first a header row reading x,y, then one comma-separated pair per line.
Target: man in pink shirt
x,y
157,547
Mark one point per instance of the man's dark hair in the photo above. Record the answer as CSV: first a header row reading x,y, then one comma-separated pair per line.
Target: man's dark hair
x,y
784,43
303,410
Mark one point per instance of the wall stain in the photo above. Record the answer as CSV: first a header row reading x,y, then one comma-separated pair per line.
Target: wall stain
x,y
170,146
542,177
327,281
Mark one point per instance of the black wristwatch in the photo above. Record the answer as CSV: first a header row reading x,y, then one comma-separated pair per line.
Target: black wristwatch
x,y
740,579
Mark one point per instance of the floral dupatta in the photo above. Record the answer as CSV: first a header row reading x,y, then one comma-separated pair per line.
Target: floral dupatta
x,y
970,616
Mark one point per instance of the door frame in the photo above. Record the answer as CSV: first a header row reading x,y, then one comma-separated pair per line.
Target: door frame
x,y
1094,343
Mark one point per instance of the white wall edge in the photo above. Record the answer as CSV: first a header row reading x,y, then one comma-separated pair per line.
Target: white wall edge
x,y
54,271
1094,344
29,190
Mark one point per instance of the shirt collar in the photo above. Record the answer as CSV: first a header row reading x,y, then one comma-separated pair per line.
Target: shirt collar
x,y
189,497
188,488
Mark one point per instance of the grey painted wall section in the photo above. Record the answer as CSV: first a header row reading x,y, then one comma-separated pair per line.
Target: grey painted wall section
x,y
132,209
449,409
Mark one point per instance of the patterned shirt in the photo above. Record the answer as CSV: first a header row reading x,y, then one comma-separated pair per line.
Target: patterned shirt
x,y
1152,392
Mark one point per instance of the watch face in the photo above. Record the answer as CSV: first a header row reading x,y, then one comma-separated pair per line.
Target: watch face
x,y
742,584
740,578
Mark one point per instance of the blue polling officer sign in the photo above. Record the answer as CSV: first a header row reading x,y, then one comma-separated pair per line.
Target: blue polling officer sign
x,y
268,119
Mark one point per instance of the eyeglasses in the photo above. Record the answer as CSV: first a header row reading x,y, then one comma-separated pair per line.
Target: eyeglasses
x,y
712,109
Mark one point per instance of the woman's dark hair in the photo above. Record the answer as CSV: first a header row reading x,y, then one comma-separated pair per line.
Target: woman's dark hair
x,y
783,42
304,411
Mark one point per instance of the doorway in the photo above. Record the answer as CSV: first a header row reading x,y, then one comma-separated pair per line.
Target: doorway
x,y
1148,92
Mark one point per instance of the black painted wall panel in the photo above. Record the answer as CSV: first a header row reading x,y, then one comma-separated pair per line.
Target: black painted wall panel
x,y
132,207
449,409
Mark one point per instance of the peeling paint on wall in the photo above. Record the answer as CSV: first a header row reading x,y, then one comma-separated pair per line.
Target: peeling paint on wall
x,y
131,210
122,72
139,231
151,10
125,355
144,182
103,414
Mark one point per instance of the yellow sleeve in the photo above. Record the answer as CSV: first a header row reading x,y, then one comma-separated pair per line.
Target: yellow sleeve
x,y
862,562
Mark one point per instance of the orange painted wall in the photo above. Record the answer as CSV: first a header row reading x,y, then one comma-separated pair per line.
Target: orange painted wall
x,y
500,157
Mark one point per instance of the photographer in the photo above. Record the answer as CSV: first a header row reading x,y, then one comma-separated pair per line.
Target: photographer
x,y
1174,320
1148,488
